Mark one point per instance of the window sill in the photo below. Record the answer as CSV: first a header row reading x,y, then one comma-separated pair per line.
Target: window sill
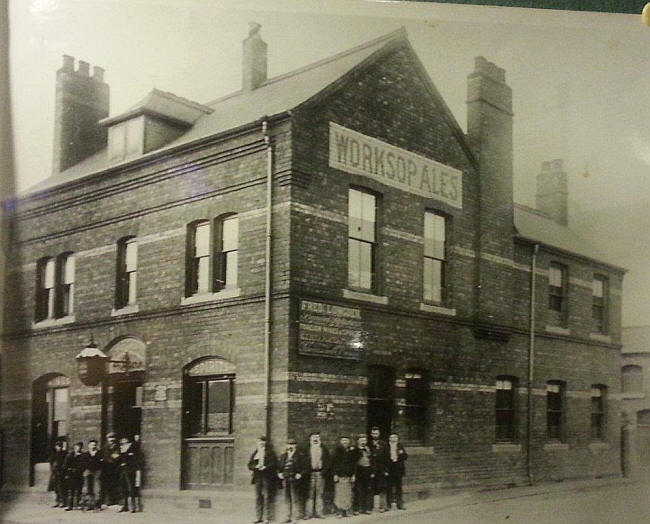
x,y
209,297
600,337
506,447
430,308
126,310
53,322
556,446
558,330
420,450
631,396
365,297
599,446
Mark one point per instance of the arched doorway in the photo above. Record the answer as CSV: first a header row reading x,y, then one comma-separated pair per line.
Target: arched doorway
x,y
125,378
208,431
643,440
50,416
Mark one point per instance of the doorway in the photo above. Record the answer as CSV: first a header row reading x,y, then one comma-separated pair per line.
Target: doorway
x,y
381,382
127,407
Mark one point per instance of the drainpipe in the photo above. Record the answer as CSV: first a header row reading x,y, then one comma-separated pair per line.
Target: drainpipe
x,y
267,283
531,363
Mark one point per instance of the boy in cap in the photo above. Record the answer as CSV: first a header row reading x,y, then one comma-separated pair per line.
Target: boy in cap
x,y
291,469
73,467
130,468
92,467
57,482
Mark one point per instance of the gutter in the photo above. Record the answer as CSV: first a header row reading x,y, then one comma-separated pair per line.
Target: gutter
x,y
267,283
531,366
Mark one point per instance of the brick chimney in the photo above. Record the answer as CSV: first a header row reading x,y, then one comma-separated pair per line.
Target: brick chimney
x,y
553,192
489,131
254,60
81,101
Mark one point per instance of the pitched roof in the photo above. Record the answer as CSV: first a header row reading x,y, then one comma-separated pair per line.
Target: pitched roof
x,y
534,226
275,96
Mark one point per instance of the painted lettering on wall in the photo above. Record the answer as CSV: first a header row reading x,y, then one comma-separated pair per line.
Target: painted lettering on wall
x,y
359,154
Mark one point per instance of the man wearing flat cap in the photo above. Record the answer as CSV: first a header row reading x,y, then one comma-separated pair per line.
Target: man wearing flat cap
x,y
130,472
291,469
110,484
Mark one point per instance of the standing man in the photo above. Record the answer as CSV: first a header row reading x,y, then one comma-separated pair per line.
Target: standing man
x,y
263,465
73,467
379,469
319,463
344,464
92,469
396,469
291,469
131,464
58,482
362,478
110,483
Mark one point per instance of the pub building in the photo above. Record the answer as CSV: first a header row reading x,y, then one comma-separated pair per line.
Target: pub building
x,y
326,249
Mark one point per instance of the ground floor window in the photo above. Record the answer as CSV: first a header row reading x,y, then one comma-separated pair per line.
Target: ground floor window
x,y
598,412
555,410
505,416
381,383
210,405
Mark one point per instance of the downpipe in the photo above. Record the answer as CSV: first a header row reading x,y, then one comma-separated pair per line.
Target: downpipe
x,y
531,366
267,282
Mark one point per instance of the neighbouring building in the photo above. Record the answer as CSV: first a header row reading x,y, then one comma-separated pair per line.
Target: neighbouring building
x,y
388,282
635,384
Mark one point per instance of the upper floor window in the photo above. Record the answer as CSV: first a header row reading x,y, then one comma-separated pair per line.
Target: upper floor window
x,y
632,379
127,271
598,394
505,415
555,410
600,289
362,242
125,139
417,395
435,256
227,253
45,289
557,292
65,285
55,287
212,259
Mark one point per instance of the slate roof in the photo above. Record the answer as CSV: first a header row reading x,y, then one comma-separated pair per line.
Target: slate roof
x,y
275,96
531,224
636,339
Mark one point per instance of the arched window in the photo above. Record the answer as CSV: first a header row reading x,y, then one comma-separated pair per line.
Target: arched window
x,y
632,377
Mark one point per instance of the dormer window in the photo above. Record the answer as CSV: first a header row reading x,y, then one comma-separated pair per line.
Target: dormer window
x,y
125,140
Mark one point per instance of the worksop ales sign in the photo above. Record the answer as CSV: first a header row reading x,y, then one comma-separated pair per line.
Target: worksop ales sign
x,y
359,154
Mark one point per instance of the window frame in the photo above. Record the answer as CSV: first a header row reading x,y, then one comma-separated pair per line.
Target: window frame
x,y
600,304
223,257
205,380
360,241
45,296
193,262
598,412
510,434
125,280
560,414
558,293
443,260
638,375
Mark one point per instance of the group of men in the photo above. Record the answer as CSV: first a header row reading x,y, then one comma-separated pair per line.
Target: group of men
x,y
365,476
96,478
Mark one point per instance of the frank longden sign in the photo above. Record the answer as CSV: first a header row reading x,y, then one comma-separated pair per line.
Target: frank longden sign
x,y
359,154
327,330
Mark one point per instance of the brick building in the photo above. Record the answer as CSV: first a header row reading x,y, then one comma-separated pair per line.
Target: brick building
x,y
388,283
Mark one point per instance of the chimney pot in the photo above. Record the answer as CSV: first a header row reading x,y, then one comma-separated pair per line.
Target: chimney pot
x,y
553,192
68,63
98,73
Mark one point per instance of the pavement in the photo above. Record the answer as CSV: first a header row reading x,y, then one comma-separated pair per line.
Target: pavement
x,y
29,509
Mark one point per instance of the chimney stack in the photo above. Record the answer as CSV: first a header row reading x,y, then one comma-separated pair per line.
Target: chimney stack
x,y
81,101
254,60
553,192
489,132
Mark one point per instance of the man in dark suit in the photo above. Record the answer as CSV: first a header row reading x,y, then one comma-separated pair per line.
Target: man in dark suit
x,y
397,456
131,464
378,468
73,467
110,484
92,468
344,465
263,465
291,469
318,458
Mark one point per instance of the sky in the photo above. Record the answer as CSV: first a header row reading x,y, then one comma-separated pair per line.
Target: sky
x,y
579,79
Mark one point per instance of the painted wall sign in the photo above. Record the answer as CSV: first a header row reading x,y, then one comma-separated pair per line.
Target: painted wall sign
x,y
355,153
329,330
